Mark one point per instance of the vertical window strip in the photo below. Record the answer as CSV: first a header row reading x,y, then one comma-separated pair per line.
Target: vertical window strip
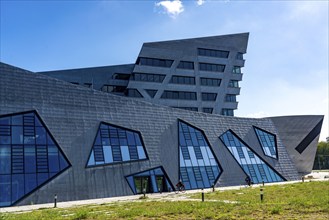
x,y
251,162
267,141
197,170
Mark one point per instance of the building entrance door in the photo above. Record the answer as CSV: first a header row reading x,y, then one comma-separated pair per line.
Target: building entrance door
x,y
161,184
143,182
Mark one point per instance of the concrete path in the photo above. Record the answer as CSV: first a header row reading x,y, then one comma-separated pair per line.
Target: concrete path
x,y
171,196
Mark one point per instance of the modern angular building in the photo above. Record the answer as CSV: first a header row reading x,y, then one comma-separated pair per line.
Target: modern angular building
x,y
200,74
82,143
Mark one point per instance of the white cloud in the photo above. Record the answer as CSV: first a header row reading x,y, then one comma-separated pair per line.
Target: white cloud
x,y
308,9
200,2
280,97
172,8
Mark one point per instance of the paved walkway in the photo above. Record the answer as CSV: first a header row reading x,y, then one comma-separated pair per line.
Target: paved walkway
x,y
171,196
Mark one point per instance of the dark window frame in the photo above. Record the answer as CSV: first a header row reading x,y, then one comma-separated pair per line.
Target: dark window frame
x,y
213,53
185,80
208,96
212,67
155,62
230,98
186,65
227,112
204,81
148,77
180,95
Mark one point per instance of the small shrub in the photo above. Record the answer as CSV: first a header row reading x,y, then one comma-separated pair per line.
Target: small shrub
x,y
276,210
81,214
143,197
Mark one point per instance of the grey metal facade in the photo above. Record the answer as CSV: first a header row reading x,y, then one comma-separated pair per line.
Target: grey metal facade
x,y
73,115
200,74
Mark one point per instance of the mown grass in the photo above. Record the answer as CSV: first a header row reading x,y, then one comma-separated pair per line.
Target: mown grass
x,y
291,201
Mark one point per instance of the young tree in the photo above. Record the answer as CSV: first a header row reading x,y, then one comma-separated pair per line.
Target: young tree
x,y
322,156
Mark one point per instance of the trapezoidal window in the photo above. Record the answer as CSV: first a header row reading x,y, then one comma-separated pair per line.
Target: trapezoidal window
x,y
114,144
249,161
268,142
198,166
29,156
149,181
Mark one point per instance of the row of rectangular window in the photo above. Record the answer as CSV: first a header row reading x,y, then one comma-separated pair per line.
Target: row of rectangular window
x,y
182,65
213,53
179,95
206,96
227,112
188,80
210,81
212,67
183,80
230,98
154,62
233,83
148,77
185,65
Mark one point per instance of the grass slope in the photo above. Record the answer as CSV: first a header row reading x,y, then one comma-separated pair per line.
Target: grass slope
x,y
309,200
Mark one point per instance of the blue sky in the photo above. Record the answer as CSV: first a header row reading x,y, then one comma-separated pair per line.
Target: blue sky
x,y
286,70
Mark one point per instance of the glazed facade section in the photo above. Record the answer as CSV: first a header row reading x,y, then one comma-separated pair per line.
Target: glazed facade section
x,y
250,162
29,156
115,145
78,143
198,166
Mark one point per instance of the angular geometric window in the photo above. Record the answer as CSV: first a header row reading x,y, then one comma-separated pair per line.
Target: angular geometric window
x,y
151,181
251,163
268,142
115,144
198,167
29,156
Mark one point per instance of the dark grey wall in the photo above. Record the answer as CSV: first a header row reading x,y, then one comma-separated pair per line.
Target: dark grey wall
x,y
292,130
73,113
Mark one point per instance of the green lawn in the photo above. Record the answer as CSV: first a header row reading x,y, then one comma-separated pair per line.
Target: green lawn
x,y
309,200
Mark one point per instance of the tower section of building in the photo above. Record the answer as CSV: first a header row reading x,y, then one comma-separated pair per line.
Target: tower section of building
x,y
199,74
